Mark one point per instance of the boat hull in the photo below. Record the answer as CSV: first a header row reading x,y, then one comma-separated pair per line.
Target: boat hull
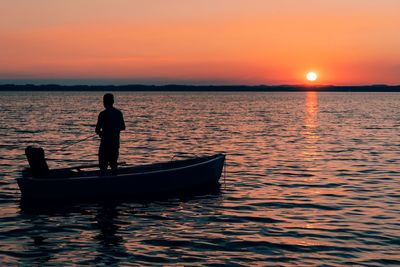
x,y
175,178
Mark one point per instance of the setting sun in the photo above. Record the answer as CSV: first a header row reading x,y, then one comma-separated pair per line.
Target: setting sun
x,y
312,76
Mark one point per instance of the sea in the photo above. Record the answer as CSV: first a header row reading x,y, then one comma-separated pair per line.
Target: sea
x,y
311,179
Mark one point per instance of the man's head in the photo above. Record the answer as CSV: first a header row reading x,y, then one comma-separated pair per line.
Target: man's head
x,y
108,100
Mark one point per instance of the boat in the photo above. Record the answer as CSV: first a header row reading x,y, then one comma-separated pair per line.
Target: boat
x,y
38,183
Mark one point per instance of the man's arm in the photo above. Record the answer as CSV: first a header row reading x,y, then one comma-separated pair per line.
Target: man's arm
x,y
122,122
99,124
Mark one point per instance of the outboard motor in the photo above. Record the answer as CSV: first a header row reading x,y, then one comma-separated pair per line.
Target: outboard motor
x,y
37,162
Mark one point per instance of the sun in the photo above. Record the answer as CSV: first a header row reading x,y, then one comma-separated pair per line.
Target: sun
x,y
312,76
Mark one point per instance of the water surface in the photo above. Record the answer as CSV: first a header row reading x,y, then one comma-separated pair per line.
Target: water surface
x,y
312,179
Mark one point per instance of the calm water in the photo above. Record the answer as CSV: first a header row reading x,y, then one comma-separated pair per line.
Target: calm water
x,y
312,179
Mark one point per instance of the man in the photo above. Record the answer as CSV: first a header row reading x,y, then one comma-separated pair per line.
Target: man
x,y
109,125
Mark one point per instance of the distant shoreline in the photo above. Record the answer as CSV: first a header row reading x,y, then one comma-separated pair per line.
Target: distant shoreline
x,y
200,88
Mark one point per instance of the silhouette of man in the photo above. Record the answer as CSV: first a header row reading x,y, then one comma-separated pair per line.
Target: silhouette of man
x,y
109,125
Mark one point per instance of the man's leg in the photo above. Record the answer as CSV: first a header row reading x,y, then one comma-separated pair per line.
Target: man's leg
x,y
103,161
114,153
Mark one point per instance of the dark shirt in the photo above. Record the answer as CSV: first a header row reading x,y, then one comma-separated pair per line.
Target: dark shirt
x,y
109,124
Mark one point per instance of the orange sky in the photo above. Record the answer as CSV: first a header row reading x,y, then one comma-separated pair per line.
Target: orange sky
x,y
200,42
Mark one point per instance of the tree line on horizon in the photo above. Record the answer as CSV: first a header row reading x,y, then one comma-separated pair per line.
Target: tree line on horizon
x,y
222,88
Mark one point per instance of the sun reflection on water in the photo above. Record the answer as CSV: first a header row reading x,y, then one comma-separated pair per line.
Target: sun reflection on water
x,y
310,130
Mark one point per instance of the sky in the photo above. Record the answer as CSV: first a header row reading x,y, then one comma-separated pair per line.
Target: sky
x,y
347,42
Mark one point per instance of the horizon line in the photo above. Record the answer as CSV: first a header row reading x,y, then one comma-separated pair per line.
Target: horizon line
x,y
197,85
